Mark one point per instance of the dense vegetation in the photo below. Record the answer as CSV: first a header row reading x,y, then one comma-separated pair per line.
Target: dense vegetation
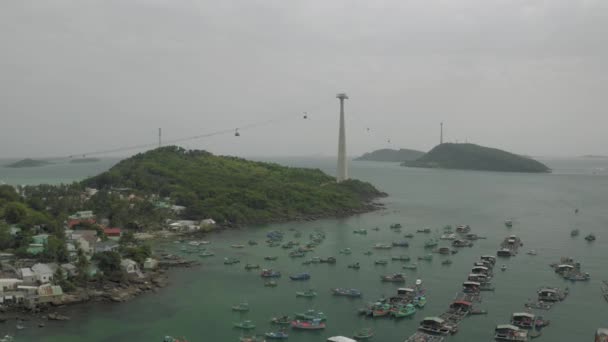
x,y
390,155
28,163
234,190
475,157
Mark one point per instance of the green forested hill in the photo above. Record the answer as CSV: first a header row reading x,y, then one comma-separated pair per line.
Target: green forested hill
x,y
475,157
235,190
28,163
390,155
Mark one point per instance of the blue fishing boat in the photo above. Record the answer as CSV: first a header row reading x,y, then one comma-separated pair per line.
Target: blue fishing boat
x,y
276,335
347,292
301,276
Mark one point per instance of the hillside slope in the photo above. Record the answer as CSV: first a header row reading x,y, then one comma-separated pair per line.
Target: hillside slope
x,y
475,157
235,190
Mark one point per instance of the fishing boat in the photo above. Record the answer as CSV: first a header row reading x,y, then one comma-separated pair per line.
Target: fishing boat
x,y
428,257
401,258
269,273
590,237
409,235
166,339
273,244
393,278
525,320
410,266
381,310
231,261
448,236
401,244
363,334
271,283
403,311
355,266
297,254
509,332
419,301
315,260
252,266
354,293
424,230
382,246
206,254
368,253
300,276
345,251
395,226
381,262
360,231
531,252
509,223
242,307
601,335
276,335
329,260
431,243
604,288
551,294
245,325
376,229
577,276
462,243
463,228
310,315
315,324
574,232
308,293
252,243
446,262
237,246
489,258
282,320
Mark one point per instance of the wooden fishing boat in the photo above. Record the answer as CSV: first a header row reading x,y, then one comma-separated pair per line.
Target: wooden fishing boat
x,y
590,237
424,230
282,320
382,246
345,251
308,293
206,254
276,335
269,273
446,262
401,258
419,301
271,258
242,307
271,283
329,260
403,311
431,243
400,244
574,232
508,332
355,266
237,246
314,324
381,310
252,266
509,223
395,226
381,262
310,315
428,257
363,334
393,278
409,235
360,231
410,266
346,292
231,261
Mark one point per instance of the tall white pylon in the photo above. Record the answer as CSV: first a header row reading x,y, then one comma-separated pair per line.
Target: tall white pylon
x,y
342,173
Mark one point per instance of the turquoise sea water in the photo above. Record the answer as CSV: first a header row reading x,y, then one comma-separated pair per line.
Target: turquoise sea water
x,y
197,303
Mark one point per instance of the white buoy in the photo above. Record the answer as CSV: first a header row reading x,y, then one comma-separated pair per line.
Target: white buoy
x,y
418,282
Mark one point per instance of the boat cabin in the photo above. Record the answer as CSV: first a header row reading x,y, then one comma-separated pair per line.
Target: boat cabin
x,y
523,320
444,250
434,325
601,335
340,339
481,270
549,295
461,305
504,252
478,277
508,332
489,258
471,287
405,292
564,268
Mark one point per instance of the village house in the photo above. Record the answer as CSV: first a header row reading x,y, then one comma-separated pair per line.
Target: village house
x,y
84,239
184,226
27,275
131,268
112,232
9,284
69,269
106,246
82,215
43,272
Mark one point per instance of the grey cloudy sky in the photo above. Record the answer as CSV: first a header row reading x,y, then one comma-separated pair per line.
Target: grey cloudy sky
x,y
79,76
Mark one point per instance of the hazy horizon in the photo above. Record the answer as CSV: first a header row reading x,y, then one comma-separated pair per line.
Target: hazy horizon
x,y
528,77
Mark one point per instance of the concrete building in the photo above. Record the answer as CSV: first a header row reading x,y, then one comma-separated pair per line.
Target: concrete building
x,y
27,275
43,272
9,284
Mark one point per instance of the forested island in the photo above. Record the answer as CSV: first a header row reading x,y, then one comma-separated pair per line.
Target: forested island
x,y
28,163
235,190
391,155
476,157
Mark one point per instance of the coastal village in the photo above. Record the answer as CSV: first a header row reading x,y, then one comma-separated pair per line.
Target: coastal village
x,y
28,285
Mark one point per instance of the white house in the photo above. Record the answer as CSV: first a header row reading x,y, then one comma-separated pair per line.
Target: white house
x,y
150,264
129,266
8,284
43,272
27,275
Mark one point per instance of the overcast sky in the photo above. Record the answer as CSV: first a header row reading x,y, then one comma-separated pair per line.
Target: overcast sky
x,y
527,76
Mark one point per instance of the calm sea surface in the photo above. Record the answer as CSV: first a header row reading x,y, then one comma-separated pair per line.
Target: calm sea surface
x,y
197,303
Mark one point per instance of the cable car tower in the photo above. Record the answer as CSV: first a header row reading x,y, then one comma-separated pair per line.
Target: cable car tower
x,y
342,172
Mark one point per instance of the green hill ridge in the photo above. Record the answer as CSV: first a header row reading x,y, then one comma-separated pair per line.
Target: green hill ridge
x,y
235,190
28,163
476,157
391,155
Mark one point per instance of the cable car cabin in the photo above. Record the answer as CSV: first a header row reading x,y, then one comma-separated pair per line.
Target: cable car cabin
x,y
471,287
524,320
461,306
601,335
508,332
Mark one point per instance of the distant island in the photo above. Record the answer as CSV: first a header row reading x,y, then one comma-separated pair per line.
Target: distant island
x,y
28,163
391,155
594,156
475,157
84,160
235,190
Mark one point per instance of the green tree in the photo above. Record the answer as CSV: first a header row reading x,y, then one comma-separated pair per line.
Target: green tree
x,y
6,240
8,193
55,250
15,212
82,267
109,264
